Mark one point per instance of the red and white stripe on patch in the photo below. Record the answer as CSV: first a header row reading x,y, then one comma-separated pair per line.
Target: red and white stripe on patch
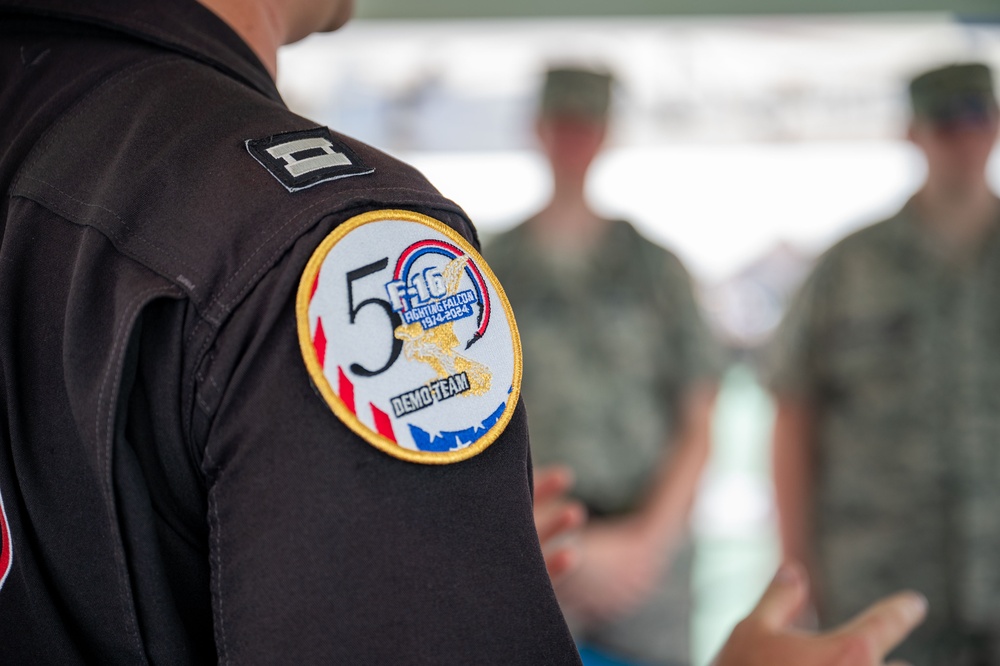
x,y
6,545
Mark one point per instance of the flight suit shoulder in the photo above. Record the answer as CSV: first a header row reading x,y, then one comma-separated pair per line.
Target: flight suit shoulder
x,y
206,181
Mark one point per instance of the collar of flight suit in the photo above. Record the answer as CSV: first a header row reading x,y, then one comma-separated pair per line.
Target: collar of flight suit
x,y
182,26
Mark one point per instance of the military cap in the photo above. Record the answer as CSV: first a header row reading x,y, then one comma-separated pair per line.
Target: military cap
x,y
577,92
954,93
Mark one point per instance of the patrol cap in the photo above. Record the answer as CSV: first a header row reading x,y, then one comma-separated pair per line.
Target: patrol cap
x,y
575,91
956,93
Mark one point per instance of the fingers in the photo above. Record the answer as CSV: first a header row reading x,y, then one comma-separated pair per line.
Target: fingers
x,y
560,561
551,521
553,514
783,599
764,637
885,624
551,482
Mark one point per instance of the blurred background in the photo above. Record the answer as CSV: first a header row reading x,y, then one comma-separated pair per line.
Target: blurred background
x,y
746,143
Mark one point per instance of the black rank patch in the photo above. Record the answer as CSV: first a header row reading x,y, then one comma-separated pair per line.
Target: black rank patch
x,y
303,159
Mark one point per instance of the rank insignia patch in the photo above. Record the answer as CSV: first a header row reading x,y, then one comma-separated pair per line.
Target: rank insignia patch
x,y
303,159
409,337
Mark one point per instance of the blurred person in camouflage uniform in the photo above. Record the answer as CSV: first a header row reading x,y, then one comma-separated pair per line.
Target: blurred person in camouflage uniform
x,y
887,375
620,377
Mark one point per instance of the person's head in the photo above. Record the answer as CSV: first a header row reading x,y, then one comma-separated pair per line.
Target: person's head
x,y
573,117
955,122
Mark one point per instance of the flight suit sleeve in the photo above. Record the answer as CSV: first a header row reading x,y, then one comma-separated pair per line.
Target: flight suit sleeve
x,y
325,549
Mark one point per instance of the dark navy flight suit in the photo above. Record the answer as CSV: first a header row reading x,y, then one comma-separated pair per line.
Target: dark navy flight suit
x,y
174,491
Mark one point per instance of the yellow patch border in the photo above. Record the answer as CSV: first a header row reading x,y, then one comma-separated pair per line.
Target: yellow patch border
x,y
322,383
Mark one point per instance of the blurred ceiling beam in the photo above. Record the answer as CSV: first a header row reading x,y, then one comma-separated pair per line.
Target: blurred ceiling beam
x,y
474,9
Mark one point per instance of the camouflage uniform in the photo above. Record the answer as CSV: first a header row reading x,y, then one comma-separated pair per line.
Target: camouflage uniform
x,y
897,350
612,341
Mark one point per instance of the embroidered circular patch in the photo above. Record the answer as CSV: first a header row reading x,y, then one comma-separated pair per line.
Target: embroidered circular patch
x,y
409,337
